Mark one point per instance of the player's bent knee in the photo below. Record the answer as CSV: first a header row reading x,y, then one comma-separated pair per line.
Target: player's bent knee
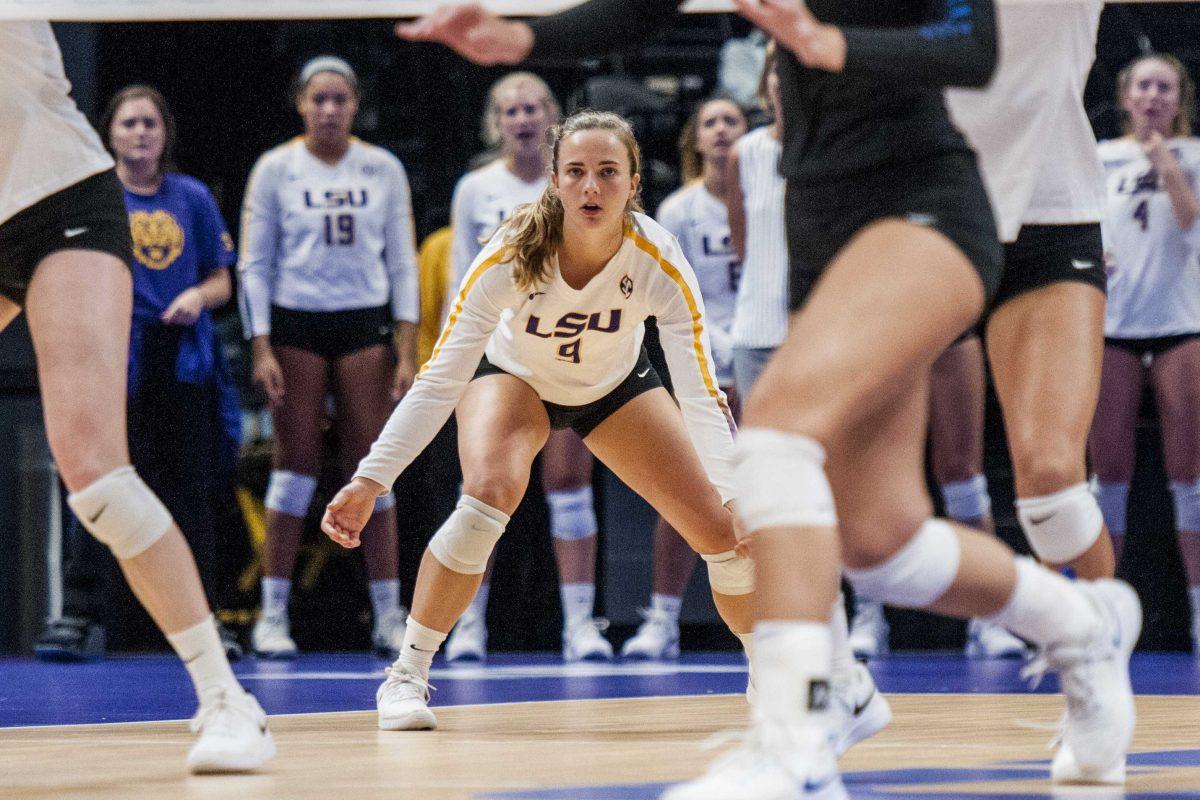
x,y
466,539
1062,526
729,573
290,492
572,514
121,511
918,573
967,499
1187,505
780,482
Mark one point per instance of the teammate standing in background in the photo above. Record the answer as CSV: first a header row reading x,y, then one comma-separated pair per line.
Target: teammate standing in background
x,y
695,215
757,233
327,267
64,259
546,332
1152,321
521,110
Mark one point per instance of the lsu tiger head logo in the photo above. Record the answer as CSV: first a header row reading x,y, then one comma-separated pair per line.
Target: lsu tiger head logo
x,y
157,238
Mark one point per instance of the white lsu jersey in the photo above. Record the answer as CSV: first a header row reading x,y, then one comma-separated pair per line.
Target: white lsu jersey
x,y
46,144
327,237
760,317
484,198
1036,149
1153,266
700,222
572,346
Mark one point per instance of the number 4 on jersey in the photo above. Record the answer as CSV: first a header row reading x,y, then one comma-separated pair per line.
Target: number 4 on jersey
x,y
1142,214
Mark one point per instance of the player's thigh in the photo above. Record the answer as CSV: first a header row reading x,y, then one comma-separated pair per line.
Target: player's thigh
x,y
646,445
956,401
892,299
566,461
362,398
79,305
1176,378
1114,428
502,424
300,416
877,475
1046,347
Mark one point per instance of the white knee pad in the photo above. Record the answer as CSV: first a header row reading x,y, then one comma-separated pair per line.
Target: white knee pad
x,y
290,492
729,573
780,482
385,501
1113,499
572,514
918,573
468,536
967,500
1062,526
121,512
1187,505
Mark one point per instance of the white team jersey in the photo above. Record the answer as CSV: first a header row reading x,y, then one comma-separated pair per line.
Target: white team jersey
x,y
1036,148
572,346
760,316
701,224
1154,269
321,237
483,198
46,144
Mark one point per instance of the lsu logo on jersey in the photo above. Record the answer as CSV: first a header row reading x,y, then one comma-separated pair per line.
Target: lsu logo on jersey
x,y
336,198
572,325
157,238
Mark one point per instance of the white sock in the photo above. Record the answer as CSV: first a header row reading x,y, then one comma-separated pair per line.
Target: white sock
x,y
792,669
478,607
420,646
1046,608
199,647
842,657
385,596
275,594
578,600
666,605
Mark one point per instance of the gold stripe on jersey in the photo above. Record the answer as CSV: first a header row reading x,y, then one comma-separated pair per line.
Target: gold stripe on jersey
x,y
476,274
672,272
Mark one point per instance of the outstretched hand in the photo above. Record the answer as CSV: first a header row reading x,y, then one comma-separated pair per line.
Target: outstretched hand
x,y
349,510
473,32
790,23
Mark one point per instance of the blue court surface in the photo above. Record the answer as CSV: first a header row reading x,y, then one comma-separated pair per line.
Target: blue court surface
x,y
155,687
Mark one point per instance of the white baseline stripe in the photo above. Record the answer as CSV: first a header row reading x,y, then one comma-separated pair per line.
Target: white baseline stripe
x,y
515,673
182,10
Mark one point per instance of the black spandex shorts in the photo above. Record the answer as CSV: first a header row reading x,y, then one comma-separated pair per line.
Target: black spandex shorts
x,y
89,215
331,334
1046,254
1151,347
584,419
658,359
943,192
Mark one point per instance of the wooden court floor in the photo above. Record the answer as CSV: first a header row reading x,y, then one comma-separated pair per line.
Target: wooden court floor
x,y
512,750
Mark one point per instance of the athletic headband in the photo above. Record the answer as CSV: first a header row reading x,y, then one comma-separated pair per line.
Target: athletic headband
x,y
332,64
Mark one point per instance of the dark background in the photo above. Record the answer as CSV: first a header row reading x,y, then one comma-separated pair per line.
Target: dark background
x,y
229,84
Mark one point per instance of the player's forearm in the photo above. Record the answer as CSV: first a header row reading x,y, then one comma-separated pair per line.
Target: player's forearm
x,y
599,27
